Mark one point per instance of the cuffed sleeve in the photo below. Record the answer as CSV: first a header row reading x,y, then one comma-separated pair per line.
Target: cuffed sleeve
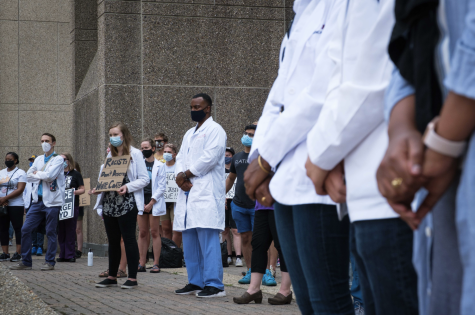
x,y
397,90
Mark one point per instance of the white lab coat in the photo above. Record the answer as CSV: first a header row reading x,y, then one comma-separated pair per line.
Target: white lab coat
x,y
304,73
159,185
54,170
27,195
138,176
202,152
351,126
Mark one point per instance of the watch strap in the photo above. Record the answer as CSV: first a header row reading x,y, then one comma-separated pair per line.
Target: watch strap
x,y
441,145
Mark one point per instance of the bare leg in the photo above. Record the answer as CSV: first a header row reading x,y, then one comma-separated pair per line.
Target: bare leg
x,y
79,235
143,237
18,249
246,238
157,241
5,248
167,229
123,258
273,255
177,238
255,285
236,241
285,285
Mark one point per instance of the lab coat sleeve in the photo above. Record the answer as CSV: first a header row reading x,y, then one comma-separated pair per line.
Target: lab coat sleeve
x,y
179,162
160,182
98,205
33,168
213,151
53,170
350,116
142,179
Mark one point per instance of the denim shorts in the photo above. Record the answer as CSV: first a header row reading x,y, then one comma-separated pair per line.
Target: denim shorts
x,y
243,217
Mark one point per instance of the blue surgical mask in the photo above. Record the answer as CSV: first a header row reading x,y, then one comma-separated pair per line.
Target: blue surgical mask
x,y
168,156
227,159
246,141
65,164
115,141
31,164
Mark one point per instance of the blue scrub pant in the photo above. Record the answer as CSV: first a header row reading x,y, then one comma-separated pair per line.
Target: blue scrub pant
x,y
203,260
37,212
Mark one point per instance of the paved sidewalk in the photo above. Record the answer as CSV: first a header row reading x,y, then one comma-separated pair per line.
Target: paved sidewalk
x,y
69,289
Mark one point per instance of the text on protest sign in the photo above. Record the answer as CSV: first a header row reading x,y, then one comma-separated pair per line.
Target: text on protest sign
x,y
171,192
113,173
67,211
85,199
231,192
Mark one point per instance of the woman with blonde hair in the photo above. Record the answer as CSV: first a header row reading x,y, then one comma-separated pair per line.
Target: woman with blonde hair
x,y
120,208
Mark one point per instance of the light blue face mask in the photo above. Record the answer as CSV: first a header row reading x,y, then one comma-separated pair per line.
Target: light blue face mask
x,y
115,141
168,156
246,141
65,164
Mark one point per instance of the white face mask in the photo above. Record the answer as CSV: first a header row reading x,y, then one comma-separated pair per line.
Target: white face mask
x,y
46,146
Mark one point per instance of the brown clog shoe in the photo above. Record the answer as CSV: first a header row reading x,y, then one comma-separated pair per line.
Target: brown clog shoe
x,y
280,299
246,298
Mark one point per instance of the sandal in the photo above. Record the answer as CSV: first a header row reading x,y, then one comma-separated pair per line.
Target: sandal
x,y
121,274
104,274
141,268
155,269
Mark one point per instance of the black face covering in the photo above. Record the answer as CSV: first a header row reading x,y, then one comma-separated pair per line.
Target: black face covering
x,y
198,115
147,153
9,164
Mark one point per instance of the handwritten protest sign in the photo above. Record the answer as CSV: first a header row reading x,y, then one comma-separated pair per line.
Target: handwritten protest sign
x,y
171,193
85,199
67,211
231,192
113,173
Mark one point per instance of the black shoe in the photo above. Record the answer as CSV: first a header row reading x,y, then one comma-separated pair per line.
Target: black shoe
x,y
4,257
59,259
141,268
129,285
211,292
16,257
189,289
70,260
78,254
106,283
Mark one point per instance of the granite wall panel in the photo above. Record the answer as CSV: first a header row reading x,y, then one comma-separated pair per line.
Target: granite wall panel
x,y
8,9
46,10
65,65
32,124
8,61
9,125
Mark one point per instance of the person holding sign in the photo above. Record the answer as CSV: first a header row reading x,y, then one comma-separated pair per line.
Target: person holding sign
x,y
67,227
199,212
120,204
47,195
154,207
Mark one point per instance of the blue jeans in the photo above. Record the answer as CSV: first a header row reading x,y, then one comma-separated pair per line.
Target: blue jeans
x,y
243,217
203,260
36,214
355,283
315,245
382,250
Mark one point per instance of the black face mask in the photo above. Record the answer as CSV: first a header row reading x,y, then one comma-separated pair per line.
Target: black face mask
x,y
9,164
198,115
147,153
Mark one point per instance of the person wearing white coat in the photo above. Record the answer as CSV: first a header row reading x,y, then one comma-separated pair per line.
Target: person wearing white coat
x,y
119,208
314,241
351,128
199,212
154,207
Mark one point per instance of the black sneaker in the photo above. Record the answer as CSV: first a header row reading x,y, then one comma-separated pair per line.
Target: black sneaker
x,y
16,257
78,254
4,257
211,292
189,289
106,283
59,259
129,285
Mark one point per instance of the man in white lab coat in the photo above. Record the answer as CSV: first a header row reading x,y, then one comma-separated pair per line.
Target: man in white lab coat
x,y
314,241
199,212
351,129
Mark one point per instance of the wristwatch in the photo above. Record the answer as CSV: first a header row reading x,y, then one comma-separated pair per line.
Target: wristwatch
x,y
441,145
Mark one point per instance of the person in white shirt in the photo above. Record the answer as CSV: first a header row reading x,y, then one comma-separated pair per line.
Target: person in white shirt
x,y
199,212
350,139
47,176
12,185
313,239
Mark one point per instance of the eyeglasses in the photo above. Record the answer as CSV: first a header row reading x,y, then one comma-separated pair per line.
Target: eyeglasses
x,y
251,135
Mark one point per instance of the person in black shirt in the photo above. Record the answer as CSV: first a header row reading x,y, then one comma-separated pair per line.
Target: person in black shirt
x,y
67,227
242,206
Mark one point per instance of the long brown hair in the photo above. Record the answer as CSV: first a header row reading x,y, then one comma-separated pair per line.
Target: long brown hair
x,y
70,159
127,142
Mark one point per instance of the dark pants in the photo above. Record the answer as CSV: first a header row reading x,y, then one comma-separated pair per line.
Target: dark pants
x,y
15,215
315,245
67,236
37,238
355,282
263,234
37,212
383,253
117,227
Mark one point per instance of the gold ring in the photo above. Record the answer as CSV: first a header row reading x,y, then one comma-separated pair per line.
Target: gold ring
x,y
263,199
396,182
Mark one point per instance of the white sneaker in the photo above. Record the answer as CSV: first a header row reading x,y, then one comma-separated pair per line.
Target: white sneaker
x,y
230,261
272,270
238,262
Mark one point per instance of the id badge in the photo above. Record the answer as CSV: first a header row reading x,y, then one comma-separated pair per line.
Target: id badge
x,y
53,185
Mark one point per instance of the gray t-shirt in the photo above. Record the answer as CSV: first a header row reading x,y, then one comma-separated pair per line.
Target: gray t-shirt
x,y
238,167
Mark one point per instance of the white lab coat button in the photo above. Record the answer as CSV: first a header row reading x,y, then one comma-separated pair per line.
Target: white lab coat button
x,y
428,232
291,91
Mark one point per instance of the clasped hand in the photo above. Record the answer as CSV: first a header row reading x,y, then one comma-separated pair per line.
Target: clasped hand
x,y
183,183
257,181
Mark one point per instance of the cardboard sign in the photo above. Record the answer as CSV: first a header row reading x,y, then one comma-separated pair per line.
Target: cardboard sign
x,y
67,211
113,173
85,199
232,191
171,193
